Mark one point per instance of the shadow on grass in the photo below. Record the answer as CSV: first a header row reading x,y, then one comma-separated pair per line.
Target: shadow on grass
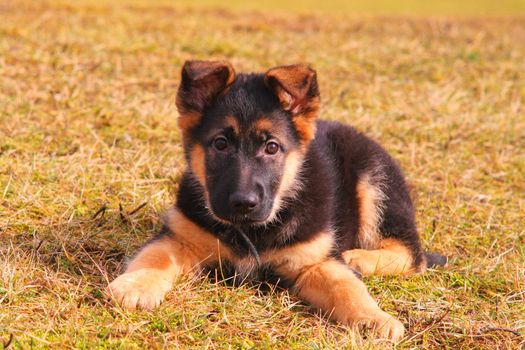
x,y
87,251
92,250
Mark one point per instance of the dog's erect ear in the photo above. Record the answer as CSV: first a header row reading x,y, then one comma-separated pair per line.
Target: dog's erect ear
x,y
201,82
297,90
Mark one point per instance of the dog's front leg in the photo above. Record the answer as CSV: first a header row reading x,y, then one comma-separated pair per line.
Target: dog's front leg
x,y
181,250
334,288
150,275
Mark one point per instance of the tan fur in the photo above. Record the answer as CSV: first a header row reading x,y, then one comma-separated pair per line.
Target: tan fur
x,y
306,128
202,243
158,255
150,275
305,121
290,181
144,288
188,120
331,286
233,123
198,164
291,259
392,258
264,124
370,198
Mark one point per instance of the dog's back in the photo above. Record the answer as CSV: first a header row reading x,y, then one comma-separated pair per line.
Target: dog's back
x,y
371,198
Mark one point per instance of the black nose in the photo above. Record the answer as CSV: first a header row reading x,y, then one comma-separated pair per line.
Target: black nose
x,y
243,202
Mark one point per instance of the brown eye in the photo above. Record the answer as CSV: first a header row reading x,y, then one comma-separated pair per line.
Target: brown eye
x,y
271,148
220,143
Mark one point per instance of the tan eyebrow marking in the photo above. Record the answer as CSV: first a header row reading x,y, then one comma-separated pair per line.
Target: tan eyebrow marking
x,y
233,123
198,164
263,124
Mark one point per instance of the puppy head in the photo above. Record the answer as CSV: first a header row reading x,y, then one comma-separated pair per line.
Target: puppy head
x,y
245,135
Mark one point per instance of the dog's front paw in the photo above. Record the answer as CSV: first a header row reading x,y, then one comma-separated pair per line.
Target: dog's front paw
x,y
144,288
363,261
384,325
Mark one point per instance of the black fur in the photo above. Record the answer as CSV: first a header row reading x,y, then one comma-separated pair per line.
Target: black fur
x,y
435,259
335,160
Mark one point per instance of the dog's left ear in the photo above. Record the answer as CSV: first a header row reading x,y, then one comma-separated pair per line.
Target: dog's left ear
x,y
201,82
294,85
298,92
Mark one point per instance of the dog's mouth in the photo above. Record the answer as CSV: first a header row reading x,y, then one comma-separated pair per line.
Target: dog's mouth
x,y
238,220
243,220
246,220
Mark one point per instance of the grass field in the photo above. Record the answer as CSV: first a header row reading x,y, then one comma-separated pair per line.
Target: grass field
x,y
87,121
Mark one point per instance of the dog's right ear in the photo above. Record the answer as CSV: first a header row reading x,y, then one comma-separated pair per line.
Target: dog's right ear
x,y
201,82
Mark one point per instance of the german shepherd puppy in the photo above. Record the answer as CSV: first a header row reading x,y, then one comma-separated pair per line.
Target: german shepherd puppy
x,y
269,187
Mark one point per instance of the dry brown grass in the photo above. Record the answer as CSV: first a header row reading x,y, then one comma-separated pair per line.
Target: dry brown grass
x,y
87,120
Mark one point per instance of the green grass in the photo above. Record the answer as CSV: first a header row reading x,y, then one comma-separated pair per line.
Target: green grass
x,y
87,119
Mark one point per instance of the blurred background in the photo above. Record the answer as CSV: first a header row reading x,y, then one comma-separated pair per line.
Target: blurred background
x,y
360,7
